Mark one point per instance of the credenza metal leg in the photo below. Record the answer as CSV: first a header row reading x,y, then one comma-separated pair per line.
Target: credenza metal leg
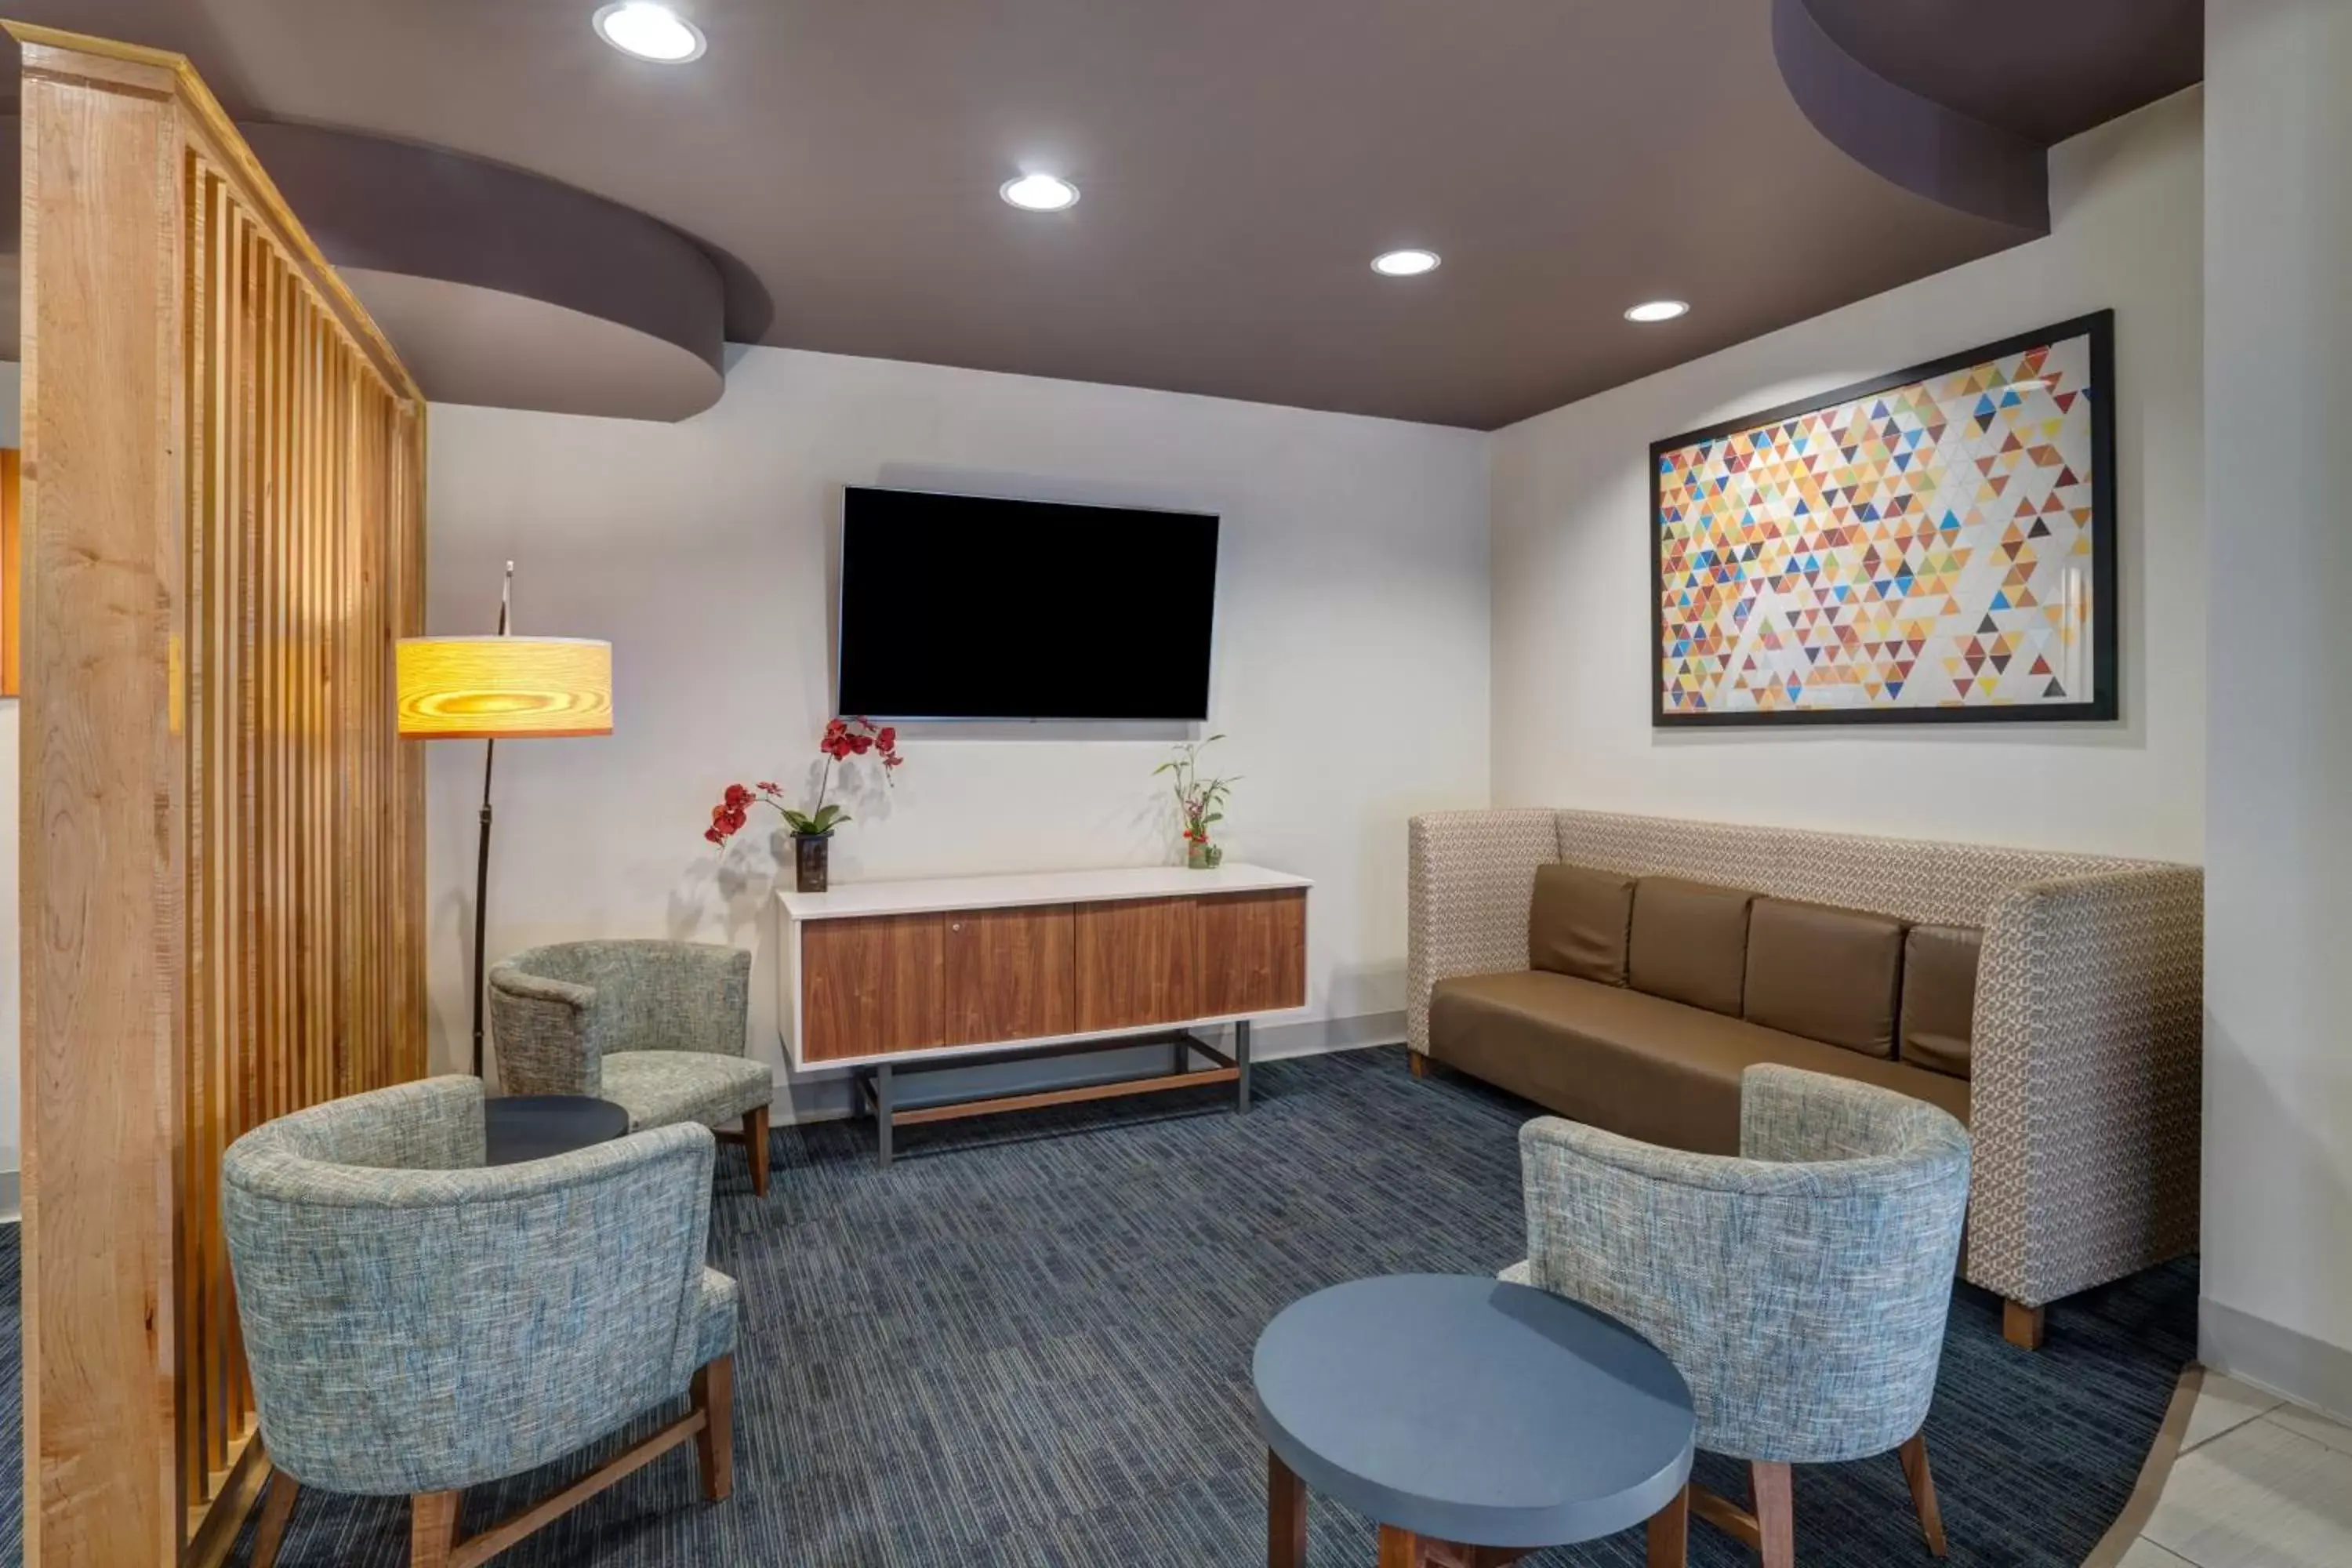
x,y
882,1112
1242,1060
1182,1059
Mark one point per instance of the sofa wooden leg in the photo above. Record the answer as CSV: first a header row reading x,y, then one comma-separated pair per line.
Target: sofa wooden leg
x,y
755,1145
714,1442
2021,1325
433,1529
1914,1455
275,1509
1776,1514
1420,1063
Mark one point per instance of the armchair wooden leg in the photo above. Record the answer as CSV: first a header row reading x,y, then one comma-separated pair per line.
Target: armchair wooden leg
x,y
755,1145
1286,1515
1420,1063
1670,1534
714,1442
1914,1455
433,1529
2021,1325
275,1509
1776,1514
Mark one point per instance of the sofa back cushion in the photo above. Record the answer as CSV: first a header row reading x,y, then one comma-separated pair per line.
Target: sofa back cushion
x,y
1689,942
1827,974
1579,923
1939,996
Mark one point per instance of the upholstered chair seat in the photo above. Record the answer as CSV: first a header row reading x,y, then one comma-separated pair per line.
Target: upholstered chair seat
x,y
657,1027
1800,1287
418,1323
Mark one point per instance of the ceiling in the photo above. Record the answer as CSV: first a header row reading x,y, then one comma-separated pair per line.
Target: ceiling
x,y
1242,161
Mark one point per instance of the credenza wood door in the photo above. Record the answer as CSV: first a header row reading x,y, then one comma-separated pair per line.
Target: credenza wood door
x,y
1253,952
872,985
1137,963
1010,975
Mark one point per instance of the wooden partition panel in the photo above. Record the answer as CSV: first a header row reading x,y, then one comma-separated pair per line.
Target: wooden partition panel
x,y
223,841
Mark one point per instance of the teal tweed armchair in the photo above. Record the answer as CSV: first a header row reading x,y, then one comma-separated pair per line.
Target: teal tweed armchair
x,y
657,1027
1800,1289
418,1323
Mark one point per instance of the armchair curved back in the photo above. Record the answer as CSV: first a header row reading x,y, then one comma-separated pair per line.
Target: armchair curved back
x,y
415,1322
557,1011
1801,1288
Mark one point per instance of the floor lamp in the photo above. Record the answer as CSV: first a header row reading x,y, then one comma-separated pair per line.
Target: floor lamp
x,y
501,688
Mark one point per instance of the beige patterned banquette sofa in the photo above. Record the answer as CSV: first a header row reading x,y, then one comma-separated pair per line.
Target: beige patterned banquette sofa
x,y
2083,1084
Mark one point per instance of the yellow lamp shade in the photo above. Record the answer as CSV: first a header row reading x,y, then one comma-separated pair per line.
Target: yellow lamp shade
x,y
504,688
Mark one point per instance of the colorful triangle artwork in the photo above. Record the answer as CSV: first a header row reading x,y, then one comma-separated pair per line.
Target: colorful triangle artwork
x,y
1812,562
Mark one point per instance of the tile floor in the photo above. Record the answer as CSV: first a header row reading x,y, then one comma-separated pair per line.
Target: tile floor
x,y
2259,1484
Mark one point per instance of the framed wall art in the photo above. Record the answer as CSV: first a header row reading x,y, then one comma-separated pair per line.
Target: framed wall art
x,y
1936,545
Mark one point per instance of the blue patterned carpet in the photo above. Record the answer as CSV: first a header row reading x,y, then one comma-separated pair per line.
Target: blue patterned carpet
x,y
1015,1348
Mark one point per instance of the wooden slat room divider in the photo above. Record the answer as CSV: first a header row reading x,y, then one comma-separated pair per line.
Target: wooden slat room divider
x,y
223,841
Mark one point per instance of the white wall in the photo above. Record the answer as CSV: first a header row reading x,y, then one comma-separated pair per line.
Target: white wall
x,y
2278,994
1350,672
1572,555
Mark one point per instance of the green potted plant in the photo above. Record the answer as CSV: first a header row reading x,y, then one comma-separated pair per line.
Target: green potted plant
x,y
812,829
1199,802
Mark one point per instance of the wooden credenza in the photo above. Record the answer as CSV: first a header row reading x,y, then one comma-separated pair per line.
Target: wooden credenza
x,y
885,975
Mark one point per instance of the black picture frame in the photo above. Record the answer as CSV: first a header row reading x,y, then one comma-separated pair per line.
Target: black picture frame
x,y
2103,704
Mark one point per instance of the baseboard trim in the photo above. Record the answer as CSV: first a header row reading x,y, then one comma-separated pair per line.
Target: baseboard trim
x,y
11,1197
2275,1358
831,1098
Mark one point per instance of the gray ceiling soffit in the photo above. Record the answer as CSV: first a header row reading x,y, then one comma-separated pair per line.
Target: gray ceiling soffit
x,y
2046,70
836,166
386,206
1922,145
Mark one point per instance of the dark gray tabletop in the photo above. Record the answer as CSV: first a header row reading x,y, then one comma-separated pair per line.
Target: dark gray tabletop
x,y
520,1127
1473,1411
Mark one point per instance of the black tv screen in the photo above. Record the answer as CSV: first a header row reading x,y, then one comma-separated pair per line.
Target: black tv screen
x,y
971,608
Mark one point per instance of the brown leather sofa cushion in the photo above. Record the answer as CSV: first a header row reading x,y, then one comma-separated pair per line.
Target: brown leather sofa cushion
x,y
1689,942
1635,1064
1939,996
1827,974
1578,922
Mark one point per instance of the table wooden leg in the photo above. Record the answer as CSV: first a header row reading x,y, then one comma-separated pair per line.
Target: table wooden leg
x,y
1670,1534
1286,1515
1400,1548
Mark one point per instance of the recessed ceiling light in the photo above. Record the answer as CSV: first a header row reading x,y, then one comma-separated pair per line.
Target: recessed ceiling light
x,y
1658,311
650,31
1405,263
1040,193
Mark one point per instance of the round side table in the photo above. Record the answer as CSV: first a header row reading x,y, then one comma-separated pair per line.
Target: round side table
x,y
1474,1420
519,1127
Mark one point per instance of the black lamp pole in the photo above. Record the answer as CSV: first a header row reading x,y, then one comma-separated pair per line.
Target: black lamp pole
x,y
482,852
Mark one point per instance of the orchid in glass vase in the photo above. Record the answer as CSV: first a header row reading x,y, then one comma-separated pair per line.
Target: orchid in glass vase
x,y
1199,802
812,829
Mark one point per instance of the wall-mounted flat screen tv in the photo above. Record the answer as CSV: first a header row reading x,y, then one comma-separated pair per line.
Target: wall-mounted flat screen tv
x,y
974,607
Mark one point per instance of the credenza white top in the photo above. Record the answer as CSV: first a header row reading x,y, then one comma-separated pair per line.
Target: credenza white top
x,y
915,898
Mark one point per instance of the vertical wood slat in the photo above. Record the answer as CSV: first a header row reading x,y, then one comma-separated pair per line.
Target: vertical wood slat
x,y
223,884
